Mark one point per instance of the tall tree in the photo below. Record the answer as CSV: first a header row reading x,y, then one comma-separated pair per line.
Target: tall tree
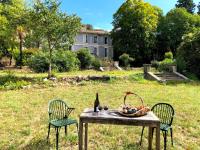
x,y
198,7
134,32
54,27
14,12
189,5
174,25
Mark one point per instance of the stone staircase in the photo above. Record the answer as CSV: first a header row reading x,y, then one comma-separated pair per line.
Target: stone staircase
x,y
169,77
172,75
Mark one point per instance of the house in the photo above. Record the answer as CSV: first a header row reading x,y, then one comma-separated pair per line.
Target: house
x,y
98,42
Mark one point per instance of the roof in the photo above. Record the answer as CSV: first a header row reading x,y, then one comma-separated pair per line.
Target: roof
x,y
96,31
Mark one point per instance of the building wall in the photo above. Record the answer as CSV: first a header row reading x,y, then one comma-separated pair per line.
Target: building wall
x,y
84,40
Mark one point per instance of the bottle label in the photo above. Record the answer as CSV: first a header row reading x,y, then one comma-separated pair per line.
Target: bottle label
x,y
97,109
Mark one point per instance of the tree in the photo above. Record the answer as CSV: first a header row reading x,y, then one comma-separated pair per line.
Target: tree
x,y
21,34
187,4
54,27
188,53
198,7
134,32
172,28
14,13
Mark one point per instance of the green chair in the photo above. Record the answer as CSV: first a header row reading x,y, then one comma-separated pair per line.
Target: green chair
x,y
165,113
59,117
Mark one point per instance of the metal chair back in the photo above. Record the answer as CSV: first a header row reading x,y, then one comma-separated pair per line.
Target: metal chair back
x,y
164,112
58,109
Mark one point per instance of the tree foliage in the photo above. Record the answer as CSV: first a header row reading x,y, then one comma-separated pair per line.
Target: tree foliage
x,y
198,8
135,24
53,27
188,53
13,17
189,5
172,28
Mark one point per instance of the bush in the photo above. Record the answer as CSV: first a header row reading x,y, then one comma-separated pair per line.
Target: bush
x,y
96,63
61,61
188,53
168,55
65,61
181,64
39,62
164,65
27,53
155,64
84,57
126,59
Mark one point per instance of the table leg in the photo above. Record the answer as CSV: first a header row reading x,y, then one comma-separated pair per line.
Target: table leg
x,y
150,138
158,137
86,136
80,135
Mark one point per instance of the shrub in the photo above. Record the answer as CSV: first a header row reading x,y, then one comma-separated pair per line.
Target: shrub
x,y
126,59
84,57
168,55
65,61
96,63
39,62
155,64
61,61
188,53
164,65
27,53
181,64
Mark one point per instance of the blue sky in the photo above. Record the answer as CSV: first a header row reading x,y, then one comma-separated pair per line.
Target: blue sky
x,y
99,13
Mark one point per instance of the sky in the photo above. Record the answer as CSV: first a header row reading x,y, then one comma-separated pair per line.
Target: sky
x,y
99,13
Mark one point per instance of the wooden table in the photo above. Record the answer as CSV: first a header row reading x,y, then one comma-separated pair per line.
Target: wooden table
x,y
112,117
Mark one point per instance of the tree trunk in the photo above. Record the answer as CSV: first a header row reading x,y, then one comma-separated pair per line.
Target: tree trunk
x,y
11,56
50,57
20,49
38,44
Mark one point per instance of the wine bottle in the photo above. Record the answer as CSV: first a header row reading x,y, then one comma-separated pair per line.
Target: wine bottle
x,y
96,103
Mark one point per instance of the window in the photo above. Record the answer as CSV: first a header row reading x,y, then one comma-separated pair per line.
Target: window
x,y
106,51
86,38
95,39
95,51
106,40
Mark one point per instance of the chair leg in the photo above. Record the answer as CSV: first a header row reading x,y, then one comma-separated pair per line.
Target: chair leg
x,y
141,135
165,140
65,130
48,132
57,135
171,132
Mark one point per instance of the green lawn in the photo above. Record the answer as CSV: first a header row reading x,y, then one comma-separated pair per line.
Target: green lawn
x,y
23,113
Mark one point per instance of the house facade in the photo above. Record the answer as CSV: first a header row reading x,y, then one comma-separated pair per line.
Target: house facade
x,y
98,42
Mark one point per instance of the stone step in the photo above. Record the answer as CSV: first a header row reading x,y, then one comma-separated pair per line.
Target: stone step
x,y
169,77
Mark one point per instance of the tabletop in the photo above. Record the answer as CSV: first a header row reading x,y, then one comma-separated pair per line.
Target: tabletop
x,y
112,116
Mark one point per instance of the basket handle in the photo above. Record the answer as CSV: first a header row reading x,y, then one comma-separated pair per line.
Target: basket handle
x,y
131,93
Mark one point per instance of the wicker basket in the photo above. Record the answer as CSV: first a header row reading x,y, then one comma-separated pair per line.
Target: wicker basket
x,y
141,110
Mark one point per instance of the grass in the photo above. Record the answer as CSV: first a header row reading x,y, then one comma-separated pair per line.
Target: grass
x,y
23,115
